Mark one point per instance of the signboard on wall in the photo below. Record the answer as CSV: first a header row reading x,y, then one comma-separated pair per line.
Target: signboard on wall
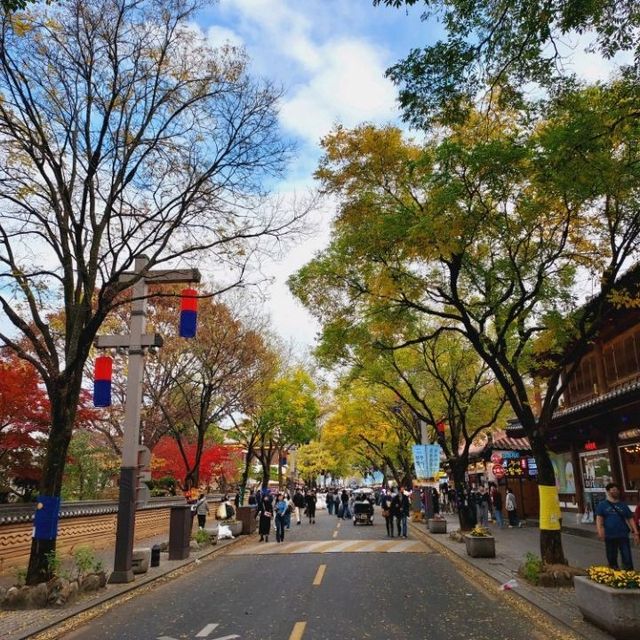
x,y
564,472
595,467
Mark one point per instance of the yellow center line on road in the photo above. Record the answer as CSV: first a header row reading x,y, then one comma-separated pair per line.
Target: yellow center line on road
x,y
298,631
317,581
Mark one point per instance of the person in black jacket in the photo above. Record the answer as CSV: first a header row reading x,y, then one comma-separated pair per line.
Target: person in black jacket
x,y
311,506
385,505
298,503
400,511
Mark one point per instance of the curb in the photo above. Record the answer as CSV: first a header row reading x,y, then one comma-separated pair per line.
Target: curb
x,y
94,609
560,631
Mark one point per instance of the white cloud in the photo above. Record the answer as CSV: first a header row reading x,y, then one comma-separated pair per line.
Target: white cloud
x,y
218,36
349,87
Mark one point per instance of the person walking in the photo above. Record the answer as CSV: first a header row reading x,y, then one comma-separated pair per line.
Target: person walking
x,y
496,499
385,505
266,516
298,503
280,510
614,522
330,503
482,506
290,508
344,503
400,511
511,505
202,509
253,501
310,501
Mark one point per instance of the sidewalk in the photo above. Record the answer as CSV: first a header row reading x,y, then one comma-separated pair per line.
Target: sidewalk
x,y
511,547
18,625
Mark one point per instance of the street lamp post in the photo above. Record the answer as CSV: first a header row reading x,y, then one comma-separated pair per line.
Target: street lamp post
x,y
135,342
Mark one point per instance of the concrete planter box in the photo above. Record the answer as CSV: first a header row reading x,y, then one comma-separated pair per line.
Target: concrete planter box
x,y
616,611
437,526
480,547
234,525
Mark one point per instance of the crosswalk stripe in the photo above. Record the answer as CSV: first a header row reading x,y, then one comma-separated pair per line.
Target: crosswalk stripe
x,y
331,546
402,546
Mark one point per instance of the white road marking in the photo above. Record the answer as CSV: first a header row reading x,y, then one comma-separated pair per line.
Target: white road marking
x,y
166,638
226,637
207,630
401,546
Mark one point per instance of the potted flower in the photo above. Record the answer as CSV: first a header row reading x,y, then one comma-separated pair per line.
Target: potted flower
x,y
610,599
480,543
437,524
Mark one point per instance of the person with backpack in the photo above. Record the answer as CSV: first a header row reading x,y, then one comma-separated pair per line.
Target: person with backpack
x,y
202,509
614,522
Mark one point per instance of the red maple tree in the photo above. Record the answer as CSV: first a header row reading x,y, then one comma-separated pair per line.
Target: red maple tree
x,y
24,423
219,463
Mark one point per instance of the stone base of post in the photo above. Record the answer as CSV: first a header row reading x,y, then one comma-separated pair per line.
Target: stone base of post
x,y
122,568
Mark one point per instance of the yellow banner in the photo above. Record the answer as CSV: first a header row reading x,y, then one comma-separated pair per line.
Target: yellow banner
x,y
549,508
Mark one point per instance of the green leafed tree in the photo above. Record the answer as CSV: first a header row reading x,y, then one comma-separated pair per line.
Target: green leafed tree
x,y
491,230
286,415
505,45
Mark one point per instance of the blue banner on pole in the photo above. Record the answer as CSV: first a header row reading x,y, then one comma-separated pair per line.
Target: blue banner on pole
x,y
46,518
426,459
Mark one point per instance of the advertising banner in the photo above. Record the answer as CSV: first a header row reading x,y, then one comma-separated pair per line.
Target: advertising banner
x,y
426,458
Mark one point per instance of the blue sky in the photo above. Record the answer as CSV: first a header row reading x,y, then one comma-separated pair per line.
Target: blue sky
x,y
330,57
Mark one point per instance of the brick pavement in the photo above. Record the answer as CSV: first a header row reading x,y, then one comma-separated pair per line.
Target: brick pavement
x,y
511,547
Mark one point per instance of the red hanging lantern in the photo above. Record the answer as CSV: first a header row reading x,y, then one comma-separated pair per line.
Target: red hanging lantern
x,y
188,313
440,426
102,381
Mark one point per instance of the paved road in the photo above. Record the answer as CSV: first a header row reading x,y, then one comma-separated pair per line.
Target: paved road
x,y
326,581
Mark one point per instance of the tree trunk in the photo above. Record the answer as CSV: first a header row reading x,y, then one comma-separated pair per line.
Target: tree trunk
x,y
266,473
551,550
245,474
64,401
465,515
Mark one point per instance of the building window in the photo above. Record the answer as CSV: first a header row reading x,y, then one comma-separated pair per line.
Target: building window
x,y
621,360
583,383
630,464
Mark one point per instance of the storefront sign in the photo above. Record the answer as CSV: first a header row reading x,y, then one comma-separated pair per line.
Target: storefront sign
x,y
590,445
629,434
596,470
498,471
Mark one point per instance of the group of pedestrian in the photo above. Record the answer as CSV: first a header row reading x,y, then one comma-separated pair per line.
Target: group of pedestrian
x,y
276,512
395,510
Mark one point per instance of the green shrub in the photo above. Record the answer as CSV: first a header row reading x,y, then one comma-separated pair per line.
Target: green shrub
x,y
201,536
54,563
532,568
85,560
20,574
